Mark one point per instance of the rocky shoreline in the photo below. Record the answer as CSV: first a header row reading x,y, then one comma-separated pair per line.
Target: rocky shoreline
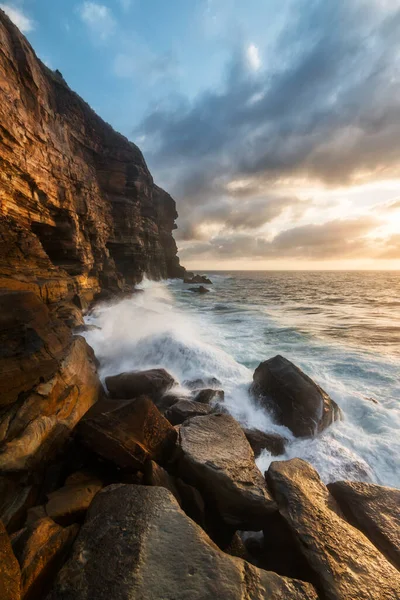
x,y
133,490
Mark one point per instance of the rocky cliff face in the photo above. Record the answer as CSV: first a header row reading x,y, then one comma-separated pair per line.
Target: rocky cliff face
x,y
79,208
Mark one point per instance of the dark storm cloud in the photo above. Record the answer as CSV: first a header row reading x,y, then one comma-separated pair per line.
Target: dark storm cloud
x,y
327,106
335,239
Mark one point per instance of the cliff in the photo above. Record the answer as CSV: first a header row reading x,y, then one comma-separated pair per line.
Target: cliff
x,y
79,209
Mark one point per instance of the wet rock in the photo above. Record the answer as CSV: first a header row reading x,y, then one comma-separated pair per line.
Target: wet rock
x,y
293,398
15,500
218,460
10,573
138,543
85,328
185,409
69,504
208,395
41,549
375,510
168,400
259,441
197,279
128,434
201,383
153,383
38,428
346,564
70,314
200,290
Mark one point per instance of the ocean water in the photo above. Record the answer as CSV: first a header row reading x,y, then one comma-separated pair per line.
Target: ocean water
x,y
341,328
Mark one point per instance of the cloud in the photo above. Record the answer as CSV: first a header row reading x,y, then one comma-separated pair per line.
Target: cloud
x,y
324,108
21,20
99,19
391,248
125,4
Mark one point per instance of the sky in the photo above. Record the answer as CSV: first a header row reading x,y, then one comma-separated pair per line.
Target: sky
x,y
275,124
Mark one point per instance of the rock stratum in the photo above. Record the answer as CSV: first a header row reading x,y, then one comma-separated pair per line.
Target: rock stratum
x,y
139,489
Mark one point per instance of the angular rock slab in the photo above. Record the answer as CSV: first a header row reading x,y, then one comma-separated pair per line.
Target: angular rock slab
x,y
128,434
153,383
10,573
137,543
259,441
185,409
346,564
218,460
41,549
295,400
375,510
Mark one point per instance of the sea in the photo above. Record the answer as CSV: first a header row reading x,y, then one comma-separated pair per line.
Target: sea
x,y
341,328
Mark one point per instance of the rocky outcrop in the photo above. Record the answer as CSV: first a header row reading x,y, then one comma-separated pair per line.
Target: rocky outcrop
x,y
137,543
346,564
128,434
293,397
259,441
375,510
132,384
10,573
218,460
41,549
79,208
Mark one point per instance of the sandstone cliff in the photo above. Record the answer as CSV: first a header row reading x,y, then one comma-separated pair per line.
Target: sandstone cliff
x,y
79,208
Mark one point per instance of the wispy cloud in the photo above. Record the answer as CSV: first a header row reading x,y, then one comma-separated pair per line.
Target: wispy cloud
x,y
18,17
99,19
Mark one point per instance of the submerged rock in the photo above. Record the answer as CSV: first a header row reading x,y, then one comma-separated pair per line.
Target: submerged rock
x,y
346,564
185,409
41,549
137,543
259,441
153,383
375,510
293,397
128,434
197,279
10,573
200,290
218,460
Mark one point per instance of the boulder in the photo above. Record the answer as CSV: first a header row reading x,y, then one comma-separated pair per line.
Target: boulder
x,y
10,573
168,400
259,441
132,384
197,279
157,476
137,543
41,549
39,426
201,383
15,499
185,409
128,434
373,509
200,290
69,504
346,564
208,395
218,460
292,397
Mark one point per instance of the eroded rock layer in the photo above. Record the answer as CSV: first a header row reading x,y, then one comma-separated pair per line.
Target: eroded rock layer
x,y
79,208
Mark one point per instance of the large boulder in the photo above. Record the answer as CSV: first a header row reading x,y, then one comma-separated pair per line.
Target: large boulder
x,y
137,543
35,429
208,395
185,409
132,384
259,441
373,509
41,549
10,573
217,459
292,397
346,564
128,433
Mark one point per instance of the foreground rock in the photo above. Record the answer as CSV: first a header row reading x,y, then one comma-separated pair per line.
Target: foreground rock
x,y
185,409
293,398
10,573
346,564
375,510
259,441
41,549
38,427
153,383
128,434
138,543
218,460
